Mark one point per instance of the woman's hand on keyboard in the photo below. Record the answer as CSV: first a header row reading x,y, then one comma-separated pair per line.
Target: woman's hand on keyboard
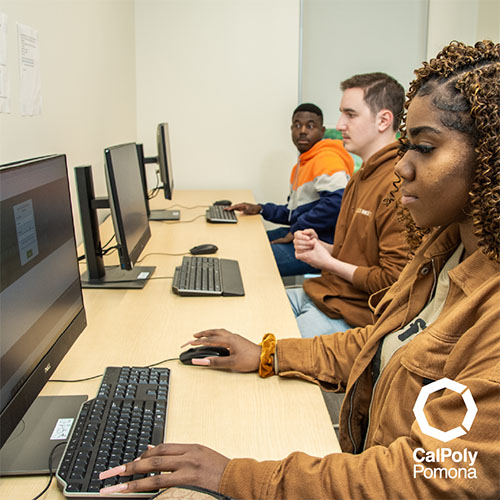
x,y
244,355
191,464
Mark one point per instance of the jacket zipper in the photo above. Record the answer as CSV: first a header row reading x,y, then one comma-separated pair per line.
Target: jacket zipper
x,y
294,191
380,374
349,426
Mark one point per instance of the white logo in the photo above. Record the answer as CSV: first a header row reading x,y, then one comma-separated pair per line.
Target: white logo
x,y
426,391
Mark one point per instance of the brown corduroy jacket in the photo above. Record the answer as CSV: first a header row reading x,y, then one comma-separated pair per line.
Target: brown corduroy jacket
x,y
383,443
368,236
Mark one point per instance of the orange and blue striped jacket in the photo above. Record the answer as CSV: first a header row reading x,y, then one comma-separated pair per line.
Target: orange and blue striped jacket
x,y
317,185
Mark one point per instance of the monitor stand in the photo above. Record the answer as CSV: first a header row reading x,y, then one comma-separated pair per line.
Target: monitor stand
x,y
47,423
116,277
164,215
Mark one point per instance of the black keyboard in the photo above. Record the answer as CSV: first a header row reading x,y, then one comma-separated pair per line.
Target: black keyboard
x,y
208,276
116,427
216,213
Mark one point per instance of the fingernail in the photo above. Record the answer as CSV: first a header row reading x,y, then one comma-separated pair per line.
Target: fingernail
x,y
137,459
201,361
116,488
112,472
187,343
151,446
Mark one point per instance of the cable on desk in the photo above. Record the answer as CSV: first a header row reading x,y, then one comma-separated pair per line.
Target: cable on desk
x,y
101,374
51,472
189,208
161,253
181,221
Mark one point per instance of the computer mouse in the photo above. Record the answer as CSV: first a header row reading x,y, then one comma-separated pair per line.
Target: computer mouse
x,y
202,249
204,351
223,203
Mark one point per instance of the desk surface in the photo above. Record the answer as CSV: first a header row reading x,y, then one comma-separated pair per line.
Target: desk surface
x,y
239,415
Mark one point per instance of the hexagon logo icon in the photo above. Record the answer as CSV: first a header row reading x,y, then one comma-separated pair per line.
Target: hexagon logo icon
x,y
426,391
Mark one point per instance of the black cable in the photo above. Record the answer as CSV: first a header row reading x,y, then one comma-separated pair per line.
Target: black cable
x,y
108,242
154,192
51,473
100,375
109,250
104,250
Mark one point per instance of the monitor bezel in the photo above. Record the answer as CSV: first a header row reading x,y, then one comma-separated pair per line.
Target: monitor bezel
x,y
34,382
165,159
128,257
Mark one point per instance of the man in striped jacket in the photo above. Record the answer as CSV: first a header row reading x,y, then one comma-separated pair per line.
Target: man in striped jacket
x,y
317,185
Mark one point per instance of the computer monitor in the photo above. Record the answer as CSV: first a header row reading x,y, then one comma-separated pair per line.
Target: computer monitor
x,y
41,308
130,221
164,162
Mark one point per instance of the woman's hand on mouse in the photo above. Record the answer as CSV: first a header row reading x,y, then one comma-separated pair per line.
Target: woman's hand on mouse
x,y
244,355
191,464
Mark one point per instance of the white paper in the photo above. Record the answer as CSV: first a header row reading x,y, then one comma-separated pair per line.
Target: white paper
x,y
4,73
29,65
26,231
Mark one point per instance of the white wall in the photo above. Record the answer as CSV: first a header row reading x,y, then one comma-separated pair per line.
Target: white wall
x,y
465,20
87,53
347,37
224,75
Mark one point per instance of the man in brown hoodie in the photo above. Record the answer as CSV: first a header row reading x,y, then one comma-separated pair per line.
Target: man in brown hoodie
x,y
369,250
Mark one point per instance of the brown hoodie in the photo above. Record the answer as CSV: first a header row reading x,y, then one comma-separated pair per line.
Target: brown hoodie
x,y
368,236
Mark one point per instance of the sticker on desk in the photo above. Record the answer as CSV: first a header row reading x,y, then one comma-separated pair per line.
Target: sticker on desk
x,y
62,428
143,276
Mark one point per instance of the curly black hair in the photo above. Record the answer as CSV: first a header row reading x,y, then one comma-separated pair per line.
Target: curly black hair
x,y
464,83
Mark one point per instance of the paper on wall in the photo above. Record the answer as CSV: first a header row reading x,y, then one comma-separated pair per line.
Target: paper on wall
x,y
4,74
29,66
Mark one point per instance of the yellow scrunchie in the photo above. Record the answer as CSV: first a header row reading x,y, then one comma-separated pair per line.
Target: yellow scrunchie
x,y
266,355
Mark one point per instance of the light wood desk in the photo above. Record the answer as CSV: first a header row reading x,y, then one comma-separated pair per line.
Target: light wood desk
x,y
239,415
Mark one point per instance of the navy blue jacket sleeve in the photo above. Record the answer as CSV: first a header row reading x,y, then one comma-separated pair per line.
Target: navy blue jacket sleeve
x,y
321,215
279,214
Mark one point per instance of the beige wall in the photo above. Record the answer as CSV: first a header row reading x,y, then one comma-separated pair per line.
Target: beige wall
x,y
347,37
464,20
87,59
224,75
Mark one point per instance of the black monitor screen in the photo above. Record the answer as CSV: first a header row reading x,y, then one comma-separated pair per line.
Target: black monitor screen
x,y
127,204
41,305
165,159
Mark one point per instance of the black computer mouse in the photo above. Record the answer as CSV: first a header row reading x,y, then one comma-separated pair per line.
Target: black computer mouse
x,y
203,249
204,351
223,203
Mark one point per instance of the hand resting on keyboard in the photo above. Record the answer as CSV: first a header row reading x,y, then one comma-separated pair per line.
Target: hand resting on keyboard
x,y
188,463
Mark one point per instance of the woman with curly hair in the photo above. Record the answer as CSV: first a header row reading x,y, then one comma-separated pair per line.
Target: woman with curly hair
x,y
421,414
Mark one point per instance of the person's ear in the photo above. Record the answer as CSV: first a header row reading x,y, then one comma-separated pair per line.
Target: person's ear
x,y
385,118
323,129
